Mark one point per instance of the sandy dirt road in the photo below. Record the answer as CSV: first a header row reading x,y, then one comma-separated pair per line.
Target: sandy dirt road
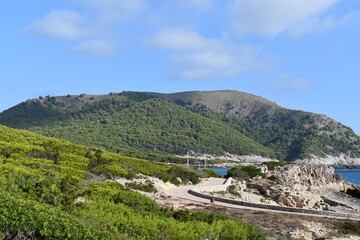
x,y
183,193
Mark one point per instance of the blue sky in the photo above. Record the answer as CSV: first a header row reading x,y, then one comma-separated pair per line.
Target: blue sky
x,y
301,54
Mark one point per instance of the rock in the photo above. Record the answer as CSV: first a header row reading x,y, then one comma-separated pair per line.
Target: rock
x,y
249,159
80,200
291,199
264,168
306,177
342,159
241,185
301,186
261,188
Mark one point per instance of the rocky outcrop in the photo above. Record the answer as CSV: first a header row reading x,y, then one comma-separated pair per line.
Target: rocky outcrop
x,y
286,196
247,159
342,159
303,186
287,199
307,177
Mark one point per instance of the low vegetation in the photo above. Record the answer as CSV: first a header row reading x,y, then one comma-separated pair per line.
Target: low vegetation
x,y
349,227
53,189
144,126
245,172
129,122
273,164
145,187
210,173
289,137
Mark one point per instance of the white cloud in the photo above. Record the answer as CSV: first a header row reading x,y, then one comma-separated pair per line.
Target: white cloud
x,y
197,57
65,24
211,64
288,83
271,17
96,48
99,20
314,25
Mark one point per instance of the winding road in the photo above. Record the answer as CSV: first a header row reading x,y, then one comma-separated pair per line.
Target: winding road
x,y
183,192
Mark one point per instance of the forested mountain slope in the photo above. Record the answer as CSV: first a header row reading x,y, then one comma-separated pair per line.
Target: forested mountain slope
x,y
48,191
206,122
130,122
292,134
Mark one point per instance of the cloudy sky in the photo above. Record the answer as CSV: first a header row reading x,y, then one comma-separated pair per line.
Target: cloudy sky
x,y
301,54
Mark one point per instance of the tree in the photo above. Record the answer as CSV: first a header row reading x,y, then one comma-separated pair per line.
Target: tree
x,y
245,172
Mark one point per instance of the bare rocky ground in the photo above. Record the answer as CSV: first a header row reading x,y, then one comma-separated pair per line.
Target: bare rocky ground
x,y
289,226
298,182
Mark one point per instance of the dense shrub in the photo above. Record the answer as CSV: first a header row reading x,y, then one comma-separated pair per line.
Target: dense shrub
x,y
45,199
272,164
210,173
349,227
245,172
132,122
42,221
185,174
145,187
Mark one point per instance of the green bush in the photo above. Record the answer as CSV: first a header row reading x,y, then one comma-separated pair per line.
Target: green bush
x,y
42,221
186,174
210,173
245,172
272,164
145,187
111,170
349,227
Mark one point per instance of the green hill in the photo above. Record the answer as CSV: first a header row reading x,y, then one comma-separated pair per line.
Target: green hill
x,y
292,134
129,121
213,122
42,180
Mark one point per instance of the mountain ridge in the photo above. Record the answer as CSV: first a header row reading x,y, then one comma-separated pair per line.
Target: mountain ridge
x,y
258,111
291,134
150,125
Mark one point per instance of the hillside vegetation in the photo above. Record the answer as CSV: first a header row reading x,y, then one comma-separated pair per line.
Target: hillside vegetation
x,y
48,191
131,122
214,122
292,137
291,134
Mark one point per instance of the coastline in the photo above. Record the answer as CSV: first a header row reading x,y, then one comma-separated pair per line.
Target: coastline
x,y
342,160
344,172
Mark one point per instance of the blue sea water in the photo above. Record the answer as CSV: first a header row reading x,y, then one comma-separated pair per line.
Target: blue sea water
x,y
221,171
350,175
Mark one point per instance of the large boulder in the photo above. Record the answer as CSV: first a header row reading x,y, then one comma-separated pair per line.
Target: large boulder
x,y
306,177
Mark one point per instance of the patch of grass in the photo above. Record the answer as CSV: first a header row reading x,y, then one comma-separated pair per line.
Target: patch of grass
x,y
145,187
349,227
